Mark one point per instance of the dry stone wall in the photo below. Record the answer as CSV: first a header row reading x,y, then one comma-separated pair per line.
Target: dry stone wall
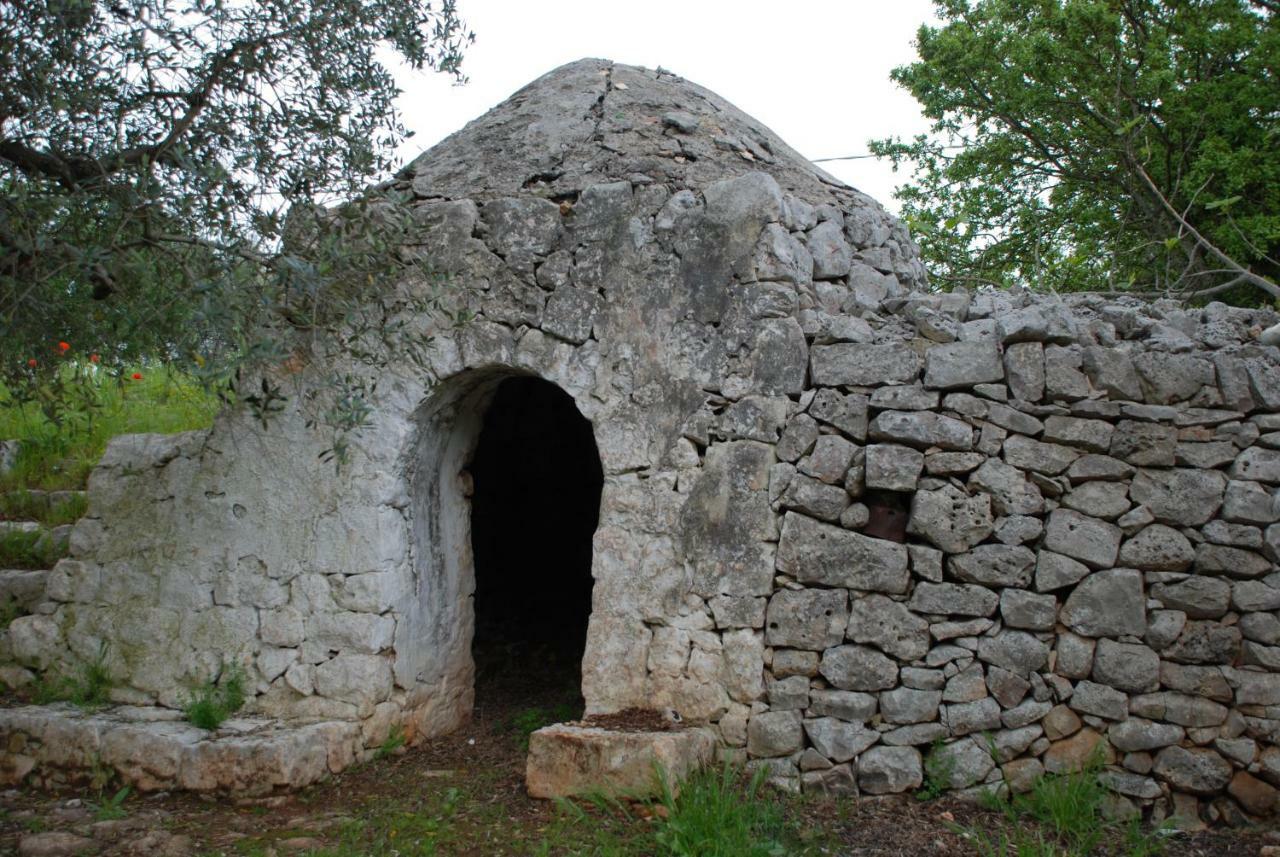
x,y
1046,524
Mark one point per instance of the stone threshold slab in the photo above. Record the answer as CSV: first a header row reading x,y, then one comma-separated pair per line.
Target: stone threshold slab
x,y
155,749
566,761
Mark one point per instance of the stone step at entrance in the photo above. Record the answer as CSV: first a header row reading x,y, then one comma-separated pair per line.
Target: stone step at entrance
x,y
567,760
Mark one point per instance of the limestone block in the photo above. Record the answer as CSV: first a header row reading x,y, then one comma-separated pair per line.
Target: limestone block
x,y
1025,370
846,412
1197,597
847,705
1011,492
891,467
953,599
956,365
889,626
1126,666
994,565
1157,548
890,770
839,740
1196,770
814,552
1180,496
774,733
1047,458
1094,542
565,761
1106,604
858,668
952,520
858,364
921,429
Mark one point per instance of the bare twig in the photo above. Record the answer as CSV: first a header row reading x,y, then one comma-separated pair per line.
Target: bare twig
x,y
1243,273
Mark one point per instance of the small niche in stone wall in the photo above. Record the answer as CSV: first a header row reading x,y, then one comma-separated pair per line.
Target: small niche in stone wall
x,y
887,515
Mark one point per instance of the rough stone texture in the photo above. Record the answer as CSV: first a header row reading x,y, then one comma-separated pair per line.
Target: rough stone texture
x,y
890,770
152,749
922,515
1107,603
568,761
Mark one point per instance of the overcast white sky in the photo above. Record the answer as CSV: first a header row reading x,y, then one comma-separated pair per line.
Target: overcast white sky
x,y
815,71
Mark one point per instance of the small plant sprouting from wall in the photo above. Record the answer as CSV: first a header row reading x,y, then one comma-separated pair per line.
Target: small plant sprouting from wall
x,y
938,770
216,700
88,688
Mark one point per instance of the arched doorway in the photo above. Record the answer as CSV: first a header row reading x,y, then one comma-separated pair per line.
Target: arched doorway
x,y
535,481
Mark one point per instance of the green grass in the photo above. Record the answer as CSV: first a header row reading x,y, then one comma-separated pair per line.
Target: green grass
x,y
27,506
28,550
60,457
529,720
9,610
718,814
393,742
1070,821
213,702
88,688
112,808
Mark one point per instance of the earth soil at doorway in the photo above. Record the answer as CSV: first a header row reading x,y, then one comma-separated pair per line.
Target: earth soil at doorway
x,y
463,794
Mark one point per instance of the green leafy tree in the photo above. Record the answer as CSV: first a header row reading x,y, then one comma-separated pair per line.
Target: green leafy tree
x,y
1098,144
188,180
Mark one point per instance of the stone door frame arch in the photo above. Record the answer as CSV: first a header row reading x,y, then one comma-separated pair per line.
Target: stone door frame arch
x,y
434,653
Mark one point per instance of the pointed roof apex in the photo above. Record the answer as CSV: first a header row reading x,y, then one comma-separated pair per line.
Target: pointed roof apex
x,y
595,121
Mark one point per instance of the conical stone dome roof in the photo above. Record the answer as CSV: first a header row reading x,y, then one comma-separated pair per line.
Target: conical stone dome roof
x,y
594,121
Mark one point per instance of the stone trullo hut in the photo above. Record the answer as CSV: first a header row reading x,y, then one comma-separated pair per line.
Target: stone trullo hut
x,y
830,517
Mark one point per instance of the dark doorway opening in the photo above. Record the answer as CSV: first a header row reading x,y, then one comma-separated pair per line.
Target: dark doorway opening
x,y
535,505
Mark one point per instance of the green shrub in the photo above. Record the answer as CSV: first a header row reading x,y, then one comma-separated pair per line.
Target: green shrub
x,y
214,701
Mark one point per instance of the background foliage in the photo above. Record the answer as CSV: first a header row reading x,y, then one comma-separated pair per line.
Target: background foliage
x,y
1098,144
165,167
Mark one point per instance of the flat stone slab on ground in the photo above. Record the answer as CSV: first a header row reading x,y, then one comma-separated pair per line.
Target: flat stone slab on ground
x,y
154,749
576,760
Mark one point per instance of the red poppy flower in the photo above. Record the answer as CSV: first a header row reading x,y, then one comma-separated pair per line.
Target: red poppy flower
x,y
64,347
137,376
33,363
93,358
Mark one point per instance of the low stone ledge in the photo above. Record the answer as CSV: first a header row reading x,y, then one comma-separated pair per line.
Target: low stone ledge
x,y
153,749
566,760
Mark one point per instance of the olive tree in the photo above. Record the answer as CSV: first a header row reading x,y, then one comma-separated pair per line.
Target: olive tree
x,y
191,180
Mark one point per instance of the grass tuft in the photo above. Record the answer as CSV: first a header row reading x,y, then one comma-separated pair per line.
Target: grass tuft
x,y
29,506
34,550
719,814
88,688
939,768
1070,809
214,701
